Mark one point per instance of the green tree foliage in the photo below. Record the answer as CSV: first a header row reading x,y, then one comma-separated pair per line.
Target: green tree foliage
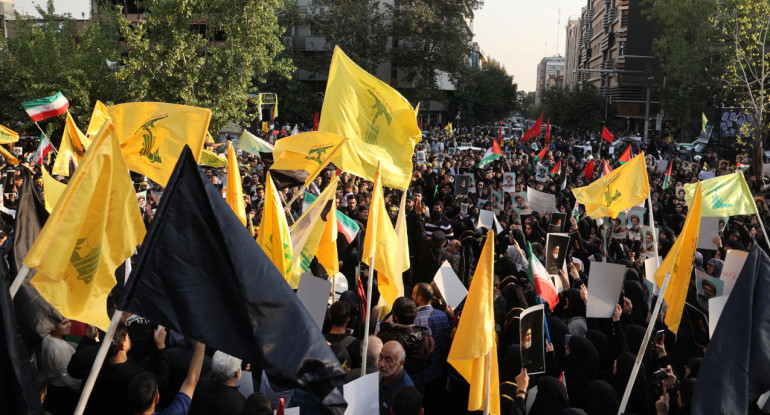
x,y
212,65
744,29
49,54
688,58
575,108
485,95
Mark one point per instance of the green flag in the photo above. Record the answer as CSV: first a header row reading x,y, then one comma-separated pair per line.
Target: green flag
x,y
211,159
723,196
253,144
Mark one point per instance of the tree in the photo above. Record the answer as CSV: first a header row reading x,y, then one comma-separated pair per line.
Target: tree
x,y
579,108
50,54
684,47
744,29
486,95
170,58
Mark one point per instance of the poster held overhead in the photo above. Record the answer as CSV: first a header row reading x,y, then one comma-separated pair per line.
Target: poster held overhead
x,y
531,340
452,289
604,286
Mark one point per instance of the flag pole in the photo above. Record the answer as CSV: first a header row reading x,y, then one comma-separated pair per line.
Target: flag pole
x,y
19,280
97,367
316,172
55,151
369,296
487,381
652,229
643,348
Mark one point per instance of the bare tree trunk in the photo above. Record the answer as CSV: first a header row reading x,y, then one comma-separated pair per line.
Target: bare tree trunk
x,y
757,160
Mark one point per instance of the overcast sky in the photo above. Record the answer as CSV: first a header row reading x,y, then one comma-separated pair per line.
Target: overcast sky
x,y
518,33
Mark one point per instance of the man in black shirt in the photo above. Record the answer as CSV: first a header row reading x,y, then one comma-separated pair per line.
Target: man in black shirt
x,y
339,314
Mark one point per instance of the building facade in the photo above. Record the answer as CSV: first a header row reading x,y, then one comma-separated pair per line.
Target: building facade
x,y
550,73
571,53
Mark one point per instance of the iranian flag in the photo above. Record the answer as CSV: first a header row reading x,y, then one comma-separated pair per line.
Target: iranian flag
x,y
345,225
540,279
667,179
43,149
491,155
40,109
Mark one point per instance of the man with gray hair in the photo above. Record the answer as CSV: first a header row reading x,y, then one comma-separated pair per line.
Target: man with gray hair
x,y
392,374
216,393
372,359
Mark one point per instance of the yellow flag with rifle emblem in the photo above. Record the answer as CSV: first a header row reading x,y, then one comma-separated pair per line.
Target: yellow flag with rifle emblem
x,y
8,136
153,134
622,188
297,159
98,117
380,240
94,227
724,196
380,123
274,237
72,148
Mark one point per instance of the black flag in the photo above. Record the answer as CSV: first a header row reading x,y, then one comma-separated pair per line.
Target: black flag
x,y
652,149
36,317
18,389
200,272
735,371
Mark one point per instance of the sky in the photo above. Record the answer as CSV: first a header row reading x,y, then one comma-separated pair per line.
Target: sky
x,y
517,33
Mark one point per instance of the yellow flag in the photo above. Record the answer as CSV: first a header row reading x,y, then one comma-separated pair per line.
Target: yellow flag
x,y
617,191
299,158
402,257
327,248
153,134
274,237
234,191
726,195
380,123
212,159
381,238
307,231
98,117
94,227
8,156
52,190
474,341
8,136
678,263
73,147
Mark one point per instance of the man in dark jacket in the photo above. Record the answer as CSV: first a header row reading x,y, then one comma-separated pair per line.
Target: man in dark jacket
x,y
416,340
431,256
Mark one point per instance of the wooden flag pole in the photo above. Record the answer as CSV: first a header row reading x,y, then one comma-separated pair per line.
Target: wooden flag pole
x,y
643,348
487,381
654,234
19,280
97,367
368,308
315,173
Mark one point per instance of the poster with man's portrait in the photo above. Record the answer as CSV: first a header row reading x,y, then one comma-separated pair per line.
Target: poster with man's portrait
x,y
509,182
462,184
558,222
541,173
556,245
531,341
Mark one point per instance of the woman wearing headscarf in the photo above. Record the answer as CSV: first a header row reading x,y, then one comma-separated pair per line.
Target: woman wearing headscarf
x,y
602,345
516,303
582,367
640,401
632,290
575,312
601,398
551,397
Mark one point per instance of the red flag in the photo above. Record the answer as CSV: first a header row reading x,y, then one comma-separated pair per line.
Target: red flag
x,y
500,136
589,170
421,125
535,130
607,135
606,169
548,131
556,168
316,118
626,156
541,155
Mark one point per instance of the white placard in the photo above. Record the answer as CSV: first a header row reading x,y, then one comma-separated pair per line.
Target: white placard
x,y
705,175
487,220
314,293
604,283
363,395
541,202
452,289
734,260
716,305
245,383
531,395
650,267
709,229
662,166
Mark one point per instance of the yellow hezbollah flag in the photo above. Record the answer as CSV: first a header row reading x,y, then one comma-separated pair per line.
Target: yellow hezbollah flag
x,y
381,237
153,134
380,123
617,191
299,158
678,263
327,248
52,190
474,341
211,159
307,231
724,196
234,191
98,117
73,147
8,156
274,237
94,227
8,136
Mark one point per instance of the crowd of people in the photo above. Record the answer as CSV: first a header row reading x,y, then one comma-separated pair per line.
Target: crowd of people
x,y
588,361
